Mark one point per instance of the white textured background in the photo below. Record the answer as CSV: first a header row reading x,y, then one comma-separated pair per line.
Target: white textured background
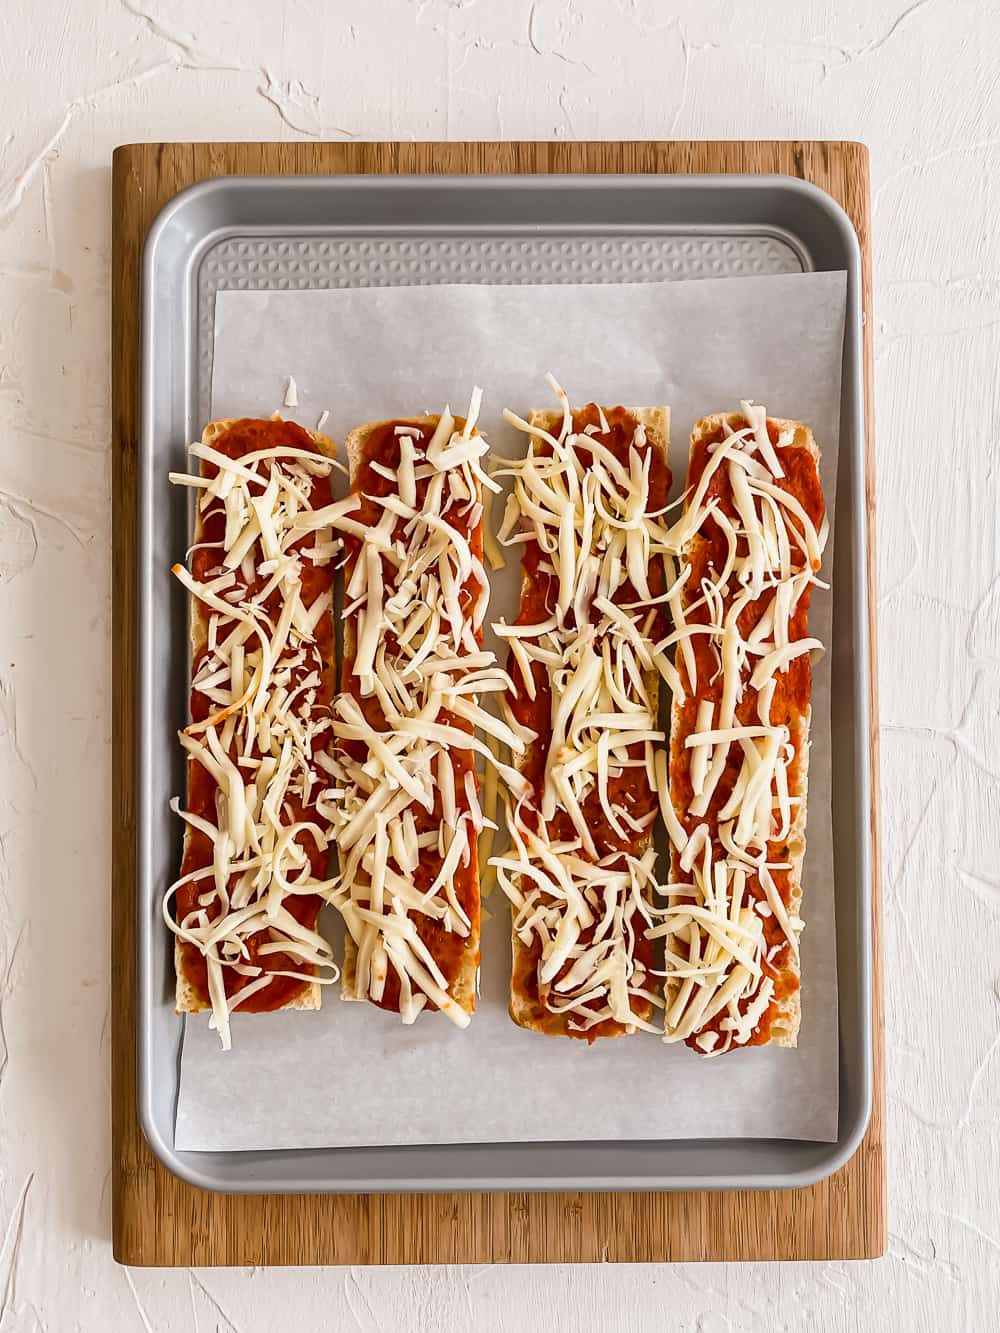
x,y
919,83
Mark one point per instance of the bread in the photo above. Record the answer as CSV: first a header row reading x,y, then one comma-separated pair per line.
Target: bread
x,y
779,1019
530,1000
458,956
187,998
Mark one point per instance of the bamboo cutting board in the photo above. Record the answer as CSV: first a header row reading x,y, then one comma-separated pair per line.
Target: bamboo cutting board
x,y
159,1220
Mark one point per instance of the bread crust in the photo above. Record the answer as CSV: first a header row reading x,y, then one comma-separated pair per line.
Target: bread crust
x,y
525,1011
187,1000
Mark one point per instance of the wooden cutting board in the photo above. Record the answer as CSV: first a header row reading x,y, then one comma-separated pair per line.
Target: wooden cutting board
x,y
159,1220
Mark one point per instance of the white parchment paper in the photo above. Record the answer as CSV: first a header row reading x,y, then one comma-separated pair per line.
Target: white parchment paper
x,y
351,1075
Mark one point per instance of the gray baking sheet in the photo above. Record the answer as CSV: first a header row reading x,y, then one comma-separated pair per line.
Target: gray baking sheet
x,y
359,1076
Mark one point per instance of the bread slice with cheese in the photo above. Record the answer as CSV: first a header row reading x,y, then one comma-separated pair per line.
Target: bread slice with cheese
x,y
580,873
406,720
259,722
752,536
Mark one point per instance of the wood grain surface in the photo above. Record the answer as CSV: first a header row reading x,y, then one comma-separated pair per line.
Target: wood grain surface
x,y
159,1220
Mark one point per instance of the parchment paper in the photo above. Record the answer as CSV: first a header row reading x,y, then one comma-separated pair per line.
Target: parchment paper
x,y
351,1075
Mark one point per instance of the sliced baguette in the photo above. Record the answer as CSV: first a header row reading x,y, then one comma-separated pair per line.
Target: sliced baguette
x,y
525,1010
187,999
784,1011
462,988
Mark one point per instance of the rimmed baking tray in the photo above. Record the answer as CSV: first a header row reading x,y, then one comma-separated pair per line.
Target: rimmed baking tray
x,y
284,232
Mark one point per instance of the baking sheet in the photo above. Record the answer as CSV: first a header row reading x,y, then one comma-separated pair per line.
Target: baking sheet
x,y
359,1076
